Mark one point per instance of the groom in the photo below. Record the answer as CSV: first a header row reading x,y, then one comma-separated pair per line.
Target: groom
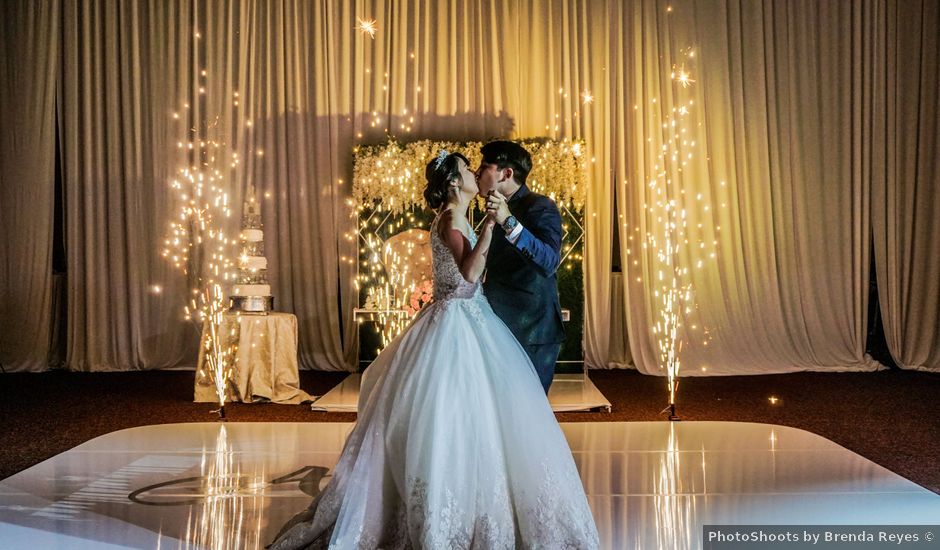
x,y
520,266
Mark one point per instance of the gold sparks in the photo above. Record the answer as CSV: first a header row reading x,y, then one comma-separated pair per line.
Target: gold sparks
x,y
682,76
670,251
197,241
366,26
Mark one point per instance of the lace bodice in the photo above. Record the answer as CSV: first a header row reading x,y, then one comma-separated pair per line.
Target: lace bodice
x,y
449,284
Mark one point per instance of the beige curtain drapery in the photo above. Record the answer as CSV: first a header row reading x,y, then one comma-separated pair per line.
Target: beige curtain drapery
x,y
480,70
819,122
240,72
906,178
771,187
312,86
125,69
288,63
30,46
307,81
789,95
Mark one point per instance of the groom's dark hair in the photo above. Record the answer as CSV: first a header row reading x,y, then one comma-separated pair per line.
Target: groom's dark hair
x,y
508,154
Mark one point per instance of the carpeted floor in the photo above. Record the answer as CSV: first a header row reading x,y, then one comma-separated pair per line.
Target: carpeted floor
x,y
890,417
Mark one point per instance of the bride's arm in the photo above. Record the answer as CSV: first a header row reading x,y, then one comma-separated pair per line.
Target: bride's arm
x,y
471,261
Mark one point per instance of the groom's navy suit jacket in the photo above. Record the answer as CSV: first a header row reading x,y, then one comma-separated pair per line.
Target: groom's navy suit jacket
x,y
520,278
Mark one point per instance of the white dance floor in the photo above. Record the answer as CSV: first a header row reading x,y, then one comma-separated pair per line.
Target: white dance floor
x,y
650,484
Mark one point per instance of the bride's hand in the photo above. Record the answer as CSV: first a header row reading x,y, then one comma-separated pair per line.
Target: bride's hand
x,y
486,233
489,223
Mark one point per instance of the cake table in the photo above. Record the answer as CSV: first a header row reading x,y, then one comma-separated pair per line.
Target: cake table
x,y
265,362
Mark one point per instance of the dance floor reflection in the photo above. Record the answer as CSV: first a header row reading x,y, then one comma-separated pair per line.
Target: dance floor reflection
x,y
650,484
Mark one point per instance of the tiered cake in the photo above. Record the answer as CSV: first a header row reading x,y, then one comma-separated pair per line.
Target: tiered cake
x,y
252,293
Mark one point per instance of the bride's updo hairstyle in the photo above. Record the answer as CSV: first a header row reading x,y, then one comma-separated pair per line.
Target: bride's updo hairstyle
x,y
440,172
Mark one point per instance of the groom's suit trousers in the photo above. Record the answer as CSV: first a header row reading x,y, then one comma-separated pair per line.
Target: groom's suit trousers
x,y
544,357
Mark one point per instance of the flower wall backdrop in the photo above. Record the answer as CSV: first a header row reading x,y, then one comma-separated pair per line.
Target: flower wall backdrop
x,y
392,219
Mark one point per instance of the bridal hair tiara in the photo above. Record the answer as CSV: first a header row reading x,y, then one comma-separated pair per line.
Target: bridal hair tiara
x,y
441,155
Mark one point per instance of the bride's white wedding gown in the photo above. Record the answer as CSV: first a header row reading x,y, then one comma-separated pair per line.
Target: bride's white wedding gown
x,y
455,446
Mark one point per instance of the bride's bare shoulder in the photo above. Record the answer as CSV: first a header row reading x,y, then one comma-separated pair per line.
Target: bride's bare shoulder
x,y
445,222
446,216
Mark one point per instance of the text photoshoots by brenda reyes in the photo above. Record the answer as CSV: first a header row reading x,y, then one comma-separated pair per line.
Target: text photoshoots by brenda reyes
x,y
875,537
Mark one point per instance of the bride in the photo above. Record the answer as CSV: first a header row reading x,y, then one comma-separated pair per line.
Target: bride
x,y
455,445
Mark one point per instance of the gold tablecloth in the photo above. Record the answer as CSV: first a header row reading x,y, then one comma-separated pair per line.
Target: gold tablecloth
x,y
265,363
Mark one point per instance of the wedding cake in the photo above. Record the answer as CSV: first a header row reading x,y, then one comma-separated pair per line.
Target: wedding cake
x,y
251,292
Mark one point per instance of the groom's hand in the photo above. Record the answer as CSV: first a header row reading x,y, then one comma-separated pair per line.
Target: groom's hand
x,y
496,207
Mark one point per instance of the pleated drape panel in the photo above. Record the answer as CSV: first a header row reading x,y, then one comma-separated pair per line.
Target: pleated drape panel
x,y
771,189
289,63
28,66
125,68
312,87
904,115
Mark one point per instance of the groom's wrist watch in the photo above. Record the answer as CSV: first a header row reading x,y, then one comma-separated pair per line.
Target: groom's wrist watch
x,y
510,224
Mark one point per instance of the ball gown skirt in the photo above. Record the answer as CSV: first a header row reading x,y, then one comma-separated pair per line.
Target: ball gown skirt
x,y
455,446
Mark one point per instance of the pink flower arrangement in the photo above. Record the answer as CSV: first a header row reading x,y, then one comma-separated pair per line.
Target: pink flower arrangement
x,y
422,295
